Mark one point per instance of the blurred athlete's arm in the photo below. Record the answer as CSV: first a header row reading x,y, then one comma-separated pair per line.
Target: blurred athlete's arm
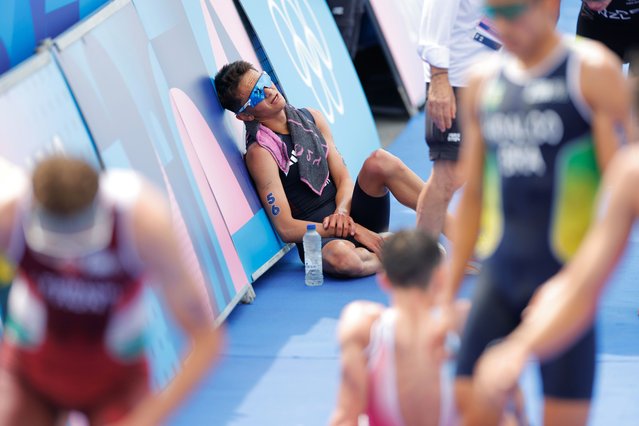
x,y
471,169
606,91
354,335
566,306
158,249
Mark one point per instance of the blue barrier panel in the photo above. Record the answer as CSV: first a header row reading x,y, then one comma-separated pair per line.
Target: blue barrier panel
x,y
38,115
398,25
306,50
221,38
185,32
134,107
24,23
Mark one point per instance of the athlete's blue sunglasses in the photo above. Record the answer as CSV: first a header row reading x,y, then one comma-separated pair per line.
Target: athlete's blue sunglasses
x,y
257,94
509,12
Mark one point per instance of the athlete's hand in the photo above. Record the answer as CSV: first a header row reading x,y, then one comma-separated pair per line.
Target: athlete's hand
x,y
441,100
340,224
369,239
498,371
597,6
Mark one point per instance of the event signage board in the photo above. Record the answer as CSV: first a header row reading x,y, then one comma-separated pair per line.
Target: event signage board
x,y
132,105
38,115
398,24
207,35
25,23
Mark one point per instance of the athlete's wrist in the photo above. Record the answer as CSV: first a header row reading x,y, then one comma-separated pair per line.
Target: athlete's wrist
x,y
360,231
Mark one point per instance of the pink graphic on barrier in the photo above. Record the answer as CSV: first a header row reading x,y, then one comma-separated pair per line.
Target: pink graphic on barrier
x,y
226,11
399,23
214,39
234,27
213,175
235,209
186,246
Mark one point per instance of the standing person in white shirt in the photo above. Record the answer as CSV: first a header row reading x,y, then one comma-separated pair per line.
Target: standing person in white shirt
x,y
453,36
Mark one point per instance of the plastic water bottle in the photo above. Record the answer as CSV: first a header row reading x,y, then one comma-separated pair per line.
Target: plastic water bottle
x,y
313,257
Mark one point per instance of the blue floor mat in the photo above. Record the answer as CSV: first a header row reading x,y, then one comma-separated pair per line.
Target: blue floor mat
x,y
281,367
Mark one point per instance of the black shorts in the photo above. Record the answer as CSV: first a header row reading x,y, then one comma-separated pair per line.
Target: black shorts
x,y
373,213
443,146
493,316
621,38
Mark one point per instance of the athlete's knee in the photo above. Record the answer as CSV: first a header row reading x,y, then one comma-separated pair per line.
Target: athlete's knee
x,y
340,258
381,165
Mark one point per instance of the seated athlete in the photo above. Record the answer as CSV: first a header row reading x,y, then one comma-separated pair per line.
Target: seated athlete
x,y
82,244
392,357
301,178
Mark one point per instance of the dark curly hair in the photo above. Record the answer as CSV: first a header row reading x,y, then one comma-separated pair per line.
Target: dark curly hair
x,y
226,82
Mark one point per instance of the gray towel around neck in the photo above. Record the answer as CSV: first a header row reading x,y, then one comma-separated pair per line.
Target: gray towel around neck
x,y
309,144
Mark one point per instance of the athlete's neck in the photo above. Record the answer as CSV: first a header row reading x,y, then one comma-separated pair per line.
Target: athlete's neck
x,y
413,303
277,123
542,50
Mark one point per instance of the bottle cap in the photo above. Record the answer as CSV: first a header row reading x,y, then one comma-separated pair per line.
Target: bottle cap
x,y
310,227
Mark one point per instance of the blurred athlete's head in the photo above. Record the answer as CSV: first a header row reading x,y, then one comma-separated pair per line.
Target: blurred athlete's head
x,y
410,259
522,24
64,186
251,95
66,216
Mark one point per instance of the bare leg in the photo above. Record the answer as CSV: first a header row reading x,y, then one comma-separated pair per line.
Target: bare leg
x,y
434,198
463,398
383,172
447,230
565,412
342,258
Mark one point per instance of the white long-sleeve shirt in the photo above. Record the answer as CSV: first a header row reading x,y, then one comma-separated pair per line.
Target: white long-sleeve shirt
x,y
454,36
